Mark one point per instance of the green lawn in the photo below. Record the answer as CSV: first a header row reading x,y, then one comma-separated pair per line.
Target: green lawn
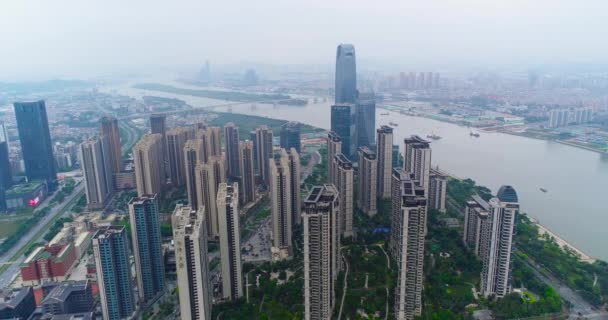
x,y
247,123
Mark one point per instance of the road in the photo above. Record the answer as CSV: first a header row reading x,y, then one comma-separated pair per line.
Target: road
x,y
7,275
345,285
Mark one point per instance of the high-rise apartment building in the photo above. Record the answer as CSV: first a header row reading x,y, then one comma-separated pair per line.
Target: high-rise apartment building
x,y
368,173
194,153
366,119
343,123
417,160
496,261
190,237
246,164
294,169
95,160
438,184
158,125
476,226
263,149
346,74
148,162
231,139
384,151
334,147
176,140
36,145
280,198
208,178
321,245
113,269
290,136
407,243
215,141
145,234
230,241
109,128
344,182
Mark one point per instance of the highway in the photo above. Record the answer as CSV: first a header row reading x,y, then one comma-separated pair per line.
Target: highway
x,y
7,275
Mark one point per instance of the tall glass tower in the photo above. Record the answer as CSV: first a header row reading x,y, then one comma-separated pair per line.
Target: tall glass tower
x,y
346,74
343,120
36,145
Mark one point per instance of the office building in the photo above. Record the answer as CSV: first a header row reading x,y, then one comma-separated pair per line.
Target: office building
x,y
158,125
69,297
334,147
321,245
231,139
346,74
194,153
230,241
36,145
145,234
344,182
294,169
281,208
176,140
438,184
366,119
6,176
396,156
384,151
190,238
96,167
496,261
208,178
417,160
246,164
290,136
343,123
263,150
109,128
52,262
148,163
113,273
368,173
475,236
407,243
17,303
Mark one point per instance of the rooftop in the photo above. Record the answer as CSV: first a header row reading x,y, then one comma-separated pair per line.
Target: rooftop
x,y
27,187
63,291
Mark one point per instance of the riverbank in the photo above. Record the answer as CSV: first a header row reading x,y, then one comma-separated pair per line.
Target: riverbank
x,y
565,245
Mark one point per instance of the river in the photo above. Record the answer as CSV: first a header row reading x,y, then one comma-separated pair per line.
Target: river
x,y
576,179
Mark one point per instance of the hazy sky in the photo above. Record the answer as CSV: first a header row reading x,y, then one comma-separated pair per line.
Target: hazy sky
x,y
41,38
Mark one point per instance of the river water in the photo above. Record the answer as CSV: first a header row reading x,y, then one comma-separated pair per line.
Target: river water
x,y
575,206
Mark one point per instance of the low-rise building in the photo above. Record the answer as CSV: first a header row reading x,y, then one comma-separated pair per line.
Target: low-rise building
x,y
26,194
48,263
17,303
68,298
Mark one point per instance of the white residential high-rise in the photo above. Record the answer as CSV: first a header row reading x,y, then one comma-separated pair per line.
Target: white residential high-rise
x,y
193,154
334,147
321,245
476,228
280,198
407,243
384,151
417,160
263,149
230,241
344,182
95,160
368,172
190,237
176,140
294,170
208,178
231,141
148,159
438,184
246,168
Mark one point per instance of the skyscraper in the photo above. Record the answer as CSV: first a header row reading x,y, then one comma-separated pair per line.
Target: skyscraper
x,y
145,234
36,145
230,241
247,186
334,147
208,178
366,119
215,141
263,149
280,198
294,169
321,245
438,184
496,261
290,136
343,120
6,177
417,160
113,269
346,74
109,128
190,237
95,160
344,182
148,162
368,172
158,126
384,150
407,243
176,140
194,152
475,236
231,139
